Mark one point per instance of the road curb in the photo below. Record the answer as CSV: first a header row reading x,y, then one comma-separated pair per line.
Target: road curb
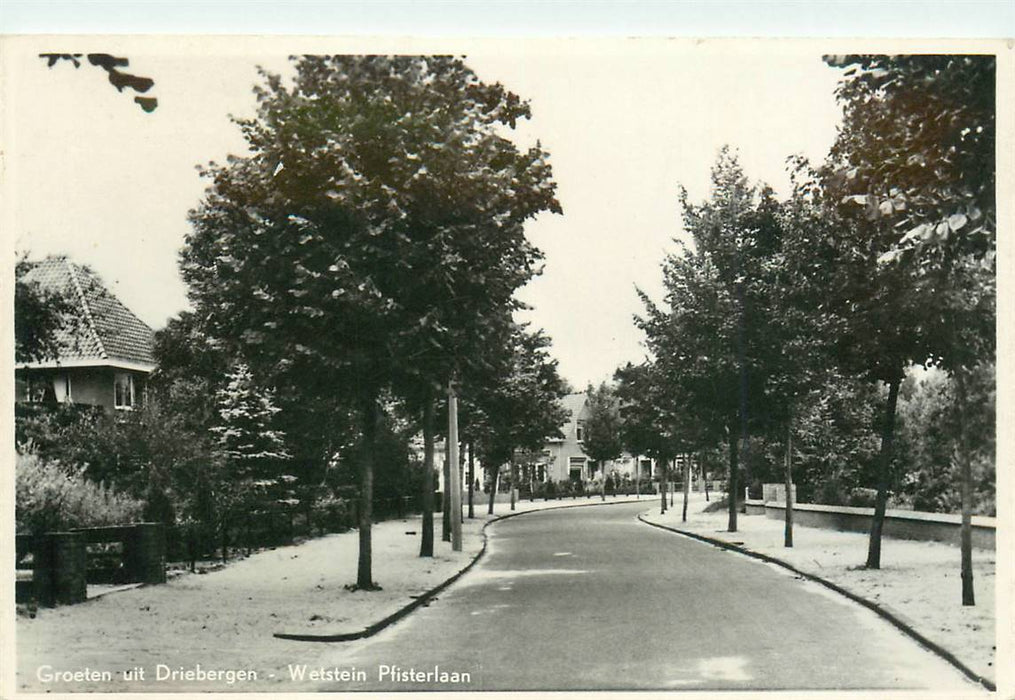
x,y
429,595
870,605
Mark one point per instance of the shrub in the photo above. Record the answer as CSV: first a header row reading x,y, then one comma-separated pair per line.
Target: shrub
x,y
332,514
863,498
51,497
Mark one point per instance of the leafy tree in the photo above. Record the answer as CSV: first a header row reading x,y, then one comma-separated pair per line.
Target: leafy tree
x,y
655,418
515,407
835,444
247,435
917,144
190,369
928,433
877,318
603,441
917,152
709,340
798,346
372,231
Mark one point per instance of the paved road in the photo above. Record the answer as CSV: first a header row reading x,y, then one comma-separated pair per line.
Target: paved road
x,y
589,598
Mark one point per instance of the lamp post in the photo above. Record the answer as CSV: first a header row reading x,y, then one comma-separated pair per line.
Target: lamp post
x,y
455,487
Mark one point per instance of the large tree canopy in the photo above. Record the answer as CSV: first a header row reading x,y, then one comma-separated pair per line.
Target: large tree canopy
x,y
381,212
711,338
373,238
516,407
917,145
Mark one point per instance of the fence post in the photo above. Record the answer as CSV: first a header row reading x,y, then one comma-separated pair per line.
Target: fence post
x,y
61,564
144,553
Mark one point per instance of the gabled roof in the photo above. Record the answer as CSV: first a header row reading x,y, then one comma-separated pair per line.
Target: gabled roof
x,y
577,404
103,330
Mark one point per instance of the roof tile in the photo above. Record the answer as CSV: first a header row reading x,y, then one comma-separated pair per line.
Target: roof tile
x,y
105,330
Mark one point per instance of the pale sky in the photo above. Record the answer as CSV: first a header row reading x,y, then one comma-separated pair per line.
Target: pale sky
x,y
625,122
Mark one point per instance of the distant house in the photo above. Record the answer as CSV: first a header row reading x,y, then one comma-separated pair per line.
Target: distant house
x,y
565,459
105,352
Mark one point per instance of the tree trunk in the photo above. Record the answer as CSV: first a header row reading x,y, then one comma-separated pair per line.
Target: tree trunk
x,y
671,487
461,480
687,485
446,497
602,479
884,471
662,485
788,535
371,417
494,473
704,479
455,470
733,484
966,471
472,481
637,477
742,362
426,541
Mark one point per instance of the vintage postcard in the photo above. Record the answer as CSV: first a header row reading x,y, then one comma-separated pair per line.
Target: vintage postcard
x,y
465,365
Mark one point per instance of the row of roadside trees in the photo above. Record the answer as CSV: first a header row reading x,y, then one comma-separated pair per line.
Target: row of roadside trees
x,y
364,255
360,259
882,258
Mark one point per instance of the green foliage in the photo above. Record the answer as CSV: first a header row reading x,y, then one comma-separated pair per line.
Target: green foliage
x,y
516,406
712,341
373,238
191,367
835,442
51,497
375,227
654,421
395,473
602,440
917,152
253,449
917,146
332,514
149,453
117,78
928,433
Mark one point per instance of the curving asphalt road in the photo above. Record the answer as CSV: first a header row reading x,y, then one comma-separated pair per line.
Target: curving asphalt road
x,y
589,598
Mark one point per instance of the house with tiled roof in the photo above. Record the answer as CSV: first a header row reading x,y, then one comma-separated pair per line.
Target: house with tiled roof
x,y
564,458
105,351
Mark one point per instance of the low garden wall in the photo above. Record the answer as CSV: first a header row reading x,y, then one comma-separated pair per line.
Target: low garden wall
x,y
62,565
901,524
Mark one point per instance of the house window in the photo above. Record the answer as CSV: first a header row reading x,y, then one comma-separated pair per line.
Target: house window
x,y
576,468
61,389
581,430
123,390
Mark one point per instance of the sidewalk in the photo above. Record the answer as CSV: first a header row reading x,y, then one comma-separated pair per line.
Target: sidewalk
x,y
918,582
225,619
